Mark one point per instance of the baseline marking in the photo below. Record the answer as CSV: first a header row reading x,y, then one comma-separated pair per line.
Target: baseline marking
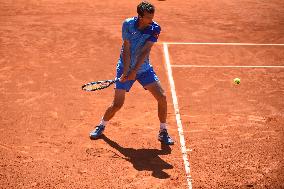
x,y
233,44
178,117
205,66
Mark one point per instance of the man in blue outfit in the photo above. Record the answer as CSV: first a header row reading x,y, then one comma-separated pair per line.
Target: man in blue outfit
x,y
139,35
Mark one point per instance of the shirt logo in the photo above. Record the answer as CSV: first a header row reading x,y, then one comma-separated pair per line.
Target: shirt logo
x,y
133,33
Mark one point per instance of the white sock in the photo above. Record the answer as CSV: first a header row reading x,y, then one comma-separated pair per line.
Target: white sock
x,y
163,126
103,122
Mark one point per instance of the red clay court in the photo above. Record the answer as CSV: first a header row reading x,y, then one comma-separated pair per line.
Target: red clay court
x,y
227,135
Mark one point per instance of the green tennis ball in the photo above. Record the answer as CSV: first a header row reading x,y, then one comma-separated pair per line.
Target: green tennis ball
x,y
237,80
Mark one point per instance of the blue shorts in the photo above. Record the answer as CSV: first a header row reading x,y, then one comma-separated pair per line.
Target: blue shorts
x,y
144,79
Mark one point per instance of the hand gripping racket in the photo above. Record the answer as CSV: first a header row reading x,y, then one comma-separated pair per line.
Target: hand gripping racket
x,y
98,85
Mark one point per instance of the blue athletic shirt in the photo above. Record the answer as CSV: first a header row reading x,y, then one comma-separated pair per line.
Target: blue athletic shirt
x,y
137,39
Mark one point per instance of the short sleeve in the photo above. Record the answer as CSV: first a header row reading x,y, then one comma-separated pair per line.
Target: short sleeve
x,y
155,33
125,33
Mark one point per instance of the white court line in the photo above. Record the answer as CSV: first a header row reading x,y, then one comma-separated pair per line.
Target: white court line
x,y
233,44
178,117
208,66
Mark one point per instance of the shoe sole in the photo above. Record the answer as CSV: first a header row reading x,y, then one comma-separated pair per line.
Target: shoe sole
x,y
166,142
94,138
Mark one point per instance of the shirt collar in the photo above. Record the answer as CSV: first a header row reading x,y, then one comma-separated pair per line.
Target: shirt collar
x,y
136,21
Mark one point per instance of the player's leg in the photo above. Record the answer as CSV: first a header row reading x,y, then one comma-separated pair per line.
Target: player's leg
x,y
118,101
157,91
150,82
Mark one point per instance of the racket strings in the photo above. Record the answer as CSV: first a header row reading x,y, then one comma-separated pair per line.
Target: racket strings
x,y
97,85
92,87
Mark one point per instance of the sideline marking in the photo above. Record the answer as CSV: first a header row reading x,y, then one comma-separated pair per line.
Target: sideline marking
x,y
173,91
205,66
234,44
178,117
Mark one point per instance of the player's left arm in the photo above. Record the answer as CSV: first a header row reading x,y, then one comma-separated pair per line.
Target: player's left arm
x,y
140,59
144,53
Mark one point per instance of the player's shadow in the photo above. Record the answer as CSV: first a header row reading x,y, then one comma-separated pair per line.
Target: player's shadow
x,y
145,159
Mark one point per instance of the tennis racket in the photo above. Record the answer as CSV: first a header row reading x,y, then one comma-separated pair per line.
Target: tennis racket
x,y
98,85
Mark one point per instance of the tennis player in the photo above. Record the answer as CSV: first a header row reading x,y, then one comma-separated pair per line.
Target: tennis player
x,y
139,35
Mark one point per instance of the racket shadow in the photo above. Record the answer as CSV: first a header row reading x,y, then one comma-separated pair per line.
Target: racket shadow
x,y
145,159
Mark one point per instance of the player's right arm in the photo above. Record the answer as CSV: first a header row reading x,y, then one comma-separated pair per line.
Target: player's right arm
x,y
126,60
126,50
